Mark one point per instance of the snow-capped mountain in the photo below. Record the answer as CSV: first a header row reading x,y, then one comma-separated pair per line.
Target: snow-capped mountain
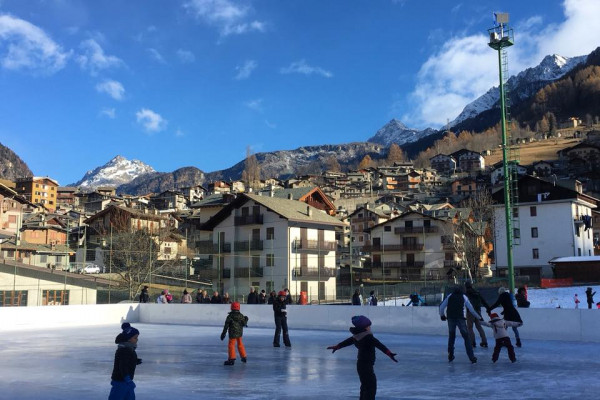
x,y
523,85
396,132
116,172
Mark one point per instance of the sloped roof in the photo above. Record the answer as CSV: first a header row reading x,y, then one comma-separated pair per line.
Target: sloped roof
x,y
292,210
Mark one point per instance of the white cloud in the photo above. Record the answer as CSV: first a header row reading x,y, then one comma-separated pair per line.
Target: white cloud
x,y
25,46
108,112
185,56
113,88
94,59
255,105
150,121
245,70
270,125
301,67
179,133
156,56
465,67
229,17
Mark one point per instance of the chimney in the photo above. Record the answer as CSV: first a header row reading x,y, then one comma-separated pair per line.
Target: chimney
x,y
272,192
308,211
290,196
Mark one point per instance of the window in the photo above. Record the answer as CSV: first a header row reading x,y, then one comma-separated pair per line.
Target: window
x,y
270,233
270,260
533,211
579,251
9,298
55,297
387,228
408,224
516,233
536,254
427,223
534,232
515,212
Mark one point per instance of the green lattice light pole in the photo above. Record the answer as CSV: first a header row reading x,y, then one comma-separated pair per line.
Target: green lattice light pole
x,y
501,37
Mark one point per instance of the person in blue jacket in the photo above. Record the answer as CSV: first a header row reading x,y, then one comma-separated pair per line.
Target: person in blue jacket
x,y
415,300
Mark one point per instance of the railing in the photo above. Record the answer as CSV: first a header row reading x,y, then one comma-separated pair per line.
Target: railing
x,y
453,264
313,272
208,247
252,219
314,245
394,247
248,245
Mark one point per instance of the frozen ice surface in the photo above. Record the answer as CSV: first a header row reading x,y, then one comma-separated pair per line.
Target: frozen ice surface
x,y
187,362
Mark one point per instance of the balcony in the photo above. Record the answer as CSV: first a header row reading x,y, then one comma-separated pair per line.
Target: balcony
x,y
399,230
253,272
208,247
314,246
253,219
248,245
453,264
394,264
321,273
394,247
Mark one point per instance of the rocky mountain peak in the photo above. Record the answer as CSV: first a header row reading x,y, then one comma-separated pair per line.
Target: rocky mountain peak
x,y
118,171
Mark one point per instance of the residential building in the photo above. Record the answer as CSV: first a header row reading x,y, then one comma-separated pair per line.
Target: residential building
x,y
469,161
39,190
273,243
443,164
551,221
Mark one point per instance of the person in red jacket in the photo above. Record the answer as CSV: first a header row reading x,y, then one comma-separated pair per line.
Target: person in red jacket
x,y
366,343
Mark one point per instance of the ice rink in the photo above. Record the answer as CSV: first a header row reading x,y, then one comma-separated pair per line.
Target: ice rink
x,y
186,362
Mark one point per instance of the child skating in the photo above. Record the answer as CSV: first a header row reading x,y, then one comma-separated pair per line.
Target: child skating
x,y
125,362
501,335
235,323
366,343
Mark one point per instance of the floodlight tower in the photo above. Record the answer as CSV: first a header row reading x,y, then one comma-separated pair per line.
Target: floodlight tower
x,y
501,37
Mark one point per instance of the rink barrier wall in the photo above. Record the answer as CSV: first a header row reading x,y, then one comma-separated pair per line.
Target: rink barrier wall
x,y
580,325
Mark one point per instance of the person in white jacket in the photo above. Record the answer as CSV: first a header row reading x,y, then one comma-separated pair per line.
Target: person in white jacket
x,y
501,335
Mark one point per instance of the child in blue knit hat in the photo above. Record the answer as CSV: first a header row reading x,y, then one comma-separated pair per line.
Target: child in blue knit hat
x,y
125,362
364,340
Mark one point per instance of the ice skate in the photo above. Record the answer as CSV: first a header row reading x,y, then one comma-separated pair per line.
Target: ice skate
x,y
229,362
244,359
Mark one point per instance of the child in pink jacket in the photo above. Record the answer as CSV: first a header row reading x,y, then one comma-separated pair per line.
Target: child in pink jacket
x,y
501,335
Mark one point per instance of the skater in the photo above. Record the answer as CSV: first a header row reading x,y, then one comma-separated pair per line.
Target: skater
x,y
509,311
288,296
456,303
576,300
365,342
144,296
280,312
185,297
272,297
168,297
476,301
124,366
252,297
235,323
357,298
415,300
501,335
372,300
590,297
521,298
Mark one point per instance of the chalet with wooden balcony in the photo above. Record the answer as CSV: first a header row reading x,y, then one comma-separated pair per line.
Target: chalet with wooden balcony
x,y
272,243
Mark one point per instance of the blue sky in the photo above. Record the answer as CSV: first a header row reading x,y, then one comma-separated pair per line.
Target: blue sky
x,y
179,83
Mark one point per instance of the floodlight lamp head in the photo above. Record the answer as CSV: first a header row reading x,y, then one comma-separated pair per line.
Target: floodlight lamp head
x,y
501,18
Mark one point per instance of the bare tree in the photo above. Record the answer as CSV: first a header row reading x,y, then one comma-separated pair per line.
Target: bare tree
x,y
251,173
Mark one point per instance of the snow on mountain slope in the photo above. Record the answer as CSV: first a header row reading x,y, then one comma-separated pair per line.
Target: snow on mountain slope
x,y
524,85
396,132
116,172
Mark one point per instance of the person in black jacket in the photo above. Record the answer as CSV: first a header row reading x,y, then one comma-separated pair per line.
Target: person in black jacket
x,y
252,297
454,306
144,297
521,298
509,312
272,297
477,301
366,343
124,366
590,296
280,313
